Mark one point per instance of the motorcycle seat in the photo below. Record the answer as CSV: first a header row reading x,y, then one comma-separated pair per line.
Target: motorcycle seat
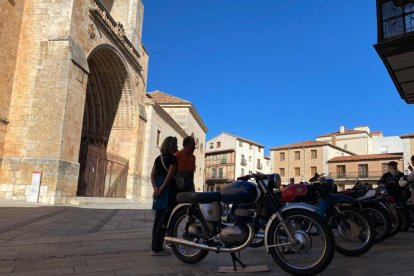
x,y
369,195
194,197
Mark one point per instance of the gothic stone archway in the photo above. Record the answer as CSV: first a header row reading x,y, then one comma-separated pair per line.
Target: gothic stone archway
x,y
108,106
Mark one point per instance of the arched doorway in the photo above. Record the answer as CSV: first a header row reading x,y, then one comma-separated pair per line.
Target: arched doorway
x,y
103,174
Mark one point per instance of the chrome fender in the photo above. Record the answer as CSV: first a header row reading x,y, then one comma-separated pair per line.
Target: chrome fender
x,y
175,210
306,206
284,209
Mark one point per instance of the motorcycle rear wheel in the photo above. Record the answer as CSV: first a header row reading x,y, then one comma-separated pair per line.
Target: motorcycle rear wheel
x,y
405,219
176,230
380,220
396,222
313,236
353,231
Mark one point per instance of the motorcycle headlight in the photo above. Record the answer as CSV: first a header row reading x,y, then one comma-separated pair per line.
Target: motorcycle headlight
x,y
278,180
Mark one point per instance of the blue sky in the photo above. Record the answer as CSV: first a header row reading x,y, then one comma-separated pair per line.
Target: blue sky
x,y
274,71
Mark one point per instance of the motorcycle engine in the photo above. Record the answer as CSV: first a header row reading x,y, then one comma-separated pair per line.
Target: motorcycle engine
x,y
234,235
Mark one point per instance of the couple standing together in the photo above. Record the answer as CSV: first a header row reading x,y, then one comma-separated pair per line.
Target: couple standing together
x,y
169,164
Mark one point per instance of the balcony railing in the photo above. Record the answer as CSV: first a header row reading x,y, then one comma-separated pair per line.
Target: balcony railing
x,y
356,174
217,178
259,166
243,162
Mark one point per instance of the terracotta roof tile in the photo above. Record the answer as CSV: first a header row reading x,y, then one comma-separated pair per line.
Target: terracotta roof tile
x,y
301,145
244,139
386,156
164,98
407,135
346,132
376,133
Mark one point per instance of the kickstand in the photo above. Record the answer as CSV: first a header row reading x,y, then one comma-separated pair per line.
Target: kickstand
x,y
235,259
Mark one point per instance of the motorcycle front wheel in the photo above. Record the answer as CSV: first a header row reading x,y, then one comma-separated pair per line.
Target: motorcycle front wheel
x,y
314,245
176,229
353,231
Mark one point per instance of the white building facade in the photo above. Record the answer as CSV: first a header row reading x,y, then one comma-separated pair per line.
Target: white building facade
x,y
159,126
183,114
247,156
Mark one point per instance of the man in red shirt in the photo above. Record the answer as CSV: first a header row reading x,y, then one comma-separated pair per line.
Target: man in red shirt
x,y
186,163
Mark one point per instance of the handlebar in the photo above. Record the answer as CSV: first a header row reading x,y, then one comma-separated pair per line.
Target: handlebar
x,y
255,176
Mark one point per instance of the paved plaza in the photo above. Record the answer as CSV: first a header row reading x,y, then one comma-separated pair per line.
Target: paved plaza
x,y
63,240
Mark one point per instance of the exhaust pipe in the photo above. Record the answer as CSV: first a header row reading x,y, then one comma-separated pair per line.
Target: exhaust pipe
x,y
210,248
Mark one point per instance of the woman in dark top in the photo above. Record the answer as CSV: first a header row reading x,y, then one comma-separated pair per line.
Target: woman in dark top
x,y
162,179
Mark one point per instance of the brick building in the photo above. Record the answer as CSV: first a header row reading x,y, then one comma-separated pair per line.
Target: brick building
x,y
346,155
346,170
302,160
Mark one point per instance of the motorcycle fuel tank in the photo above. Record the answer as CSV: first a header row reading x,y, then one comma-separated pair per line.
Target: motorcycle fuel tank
x,y
239,192
296,193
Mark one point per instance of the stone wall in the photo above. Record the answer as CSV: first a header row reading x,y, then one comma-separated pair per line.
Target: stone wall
x,y
46,109
11,14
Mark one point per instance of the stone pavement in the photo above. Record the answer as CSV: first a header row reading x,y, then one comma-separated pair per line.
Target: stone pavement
x,y
63,240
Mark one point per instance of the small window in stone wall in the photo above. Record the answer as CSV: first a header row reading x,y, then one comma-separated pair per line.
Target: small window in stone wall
x,y
158,138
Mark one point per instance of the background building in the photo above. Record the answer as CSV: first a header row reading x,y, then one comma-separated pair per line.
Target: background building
x,y
357,140
346,170
229,156
395,46
159,126
302,160
347,155
182,113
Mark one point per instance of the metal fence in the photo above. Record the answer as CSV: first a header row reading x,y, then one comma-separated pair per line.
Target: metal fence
x,y
105,174
357,174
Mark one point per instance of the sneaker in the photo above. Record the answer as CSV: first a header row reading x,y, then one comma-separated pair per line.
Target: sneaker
x,y
160,253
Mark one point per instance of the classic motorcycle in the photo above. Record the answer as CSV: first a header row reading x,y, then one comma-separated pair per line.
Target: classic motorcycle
x,y
379,208
298,239
353,230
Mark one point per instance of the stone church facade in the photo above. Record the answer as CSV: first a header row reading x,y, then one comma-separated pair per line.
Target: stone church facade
x,y
73,81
